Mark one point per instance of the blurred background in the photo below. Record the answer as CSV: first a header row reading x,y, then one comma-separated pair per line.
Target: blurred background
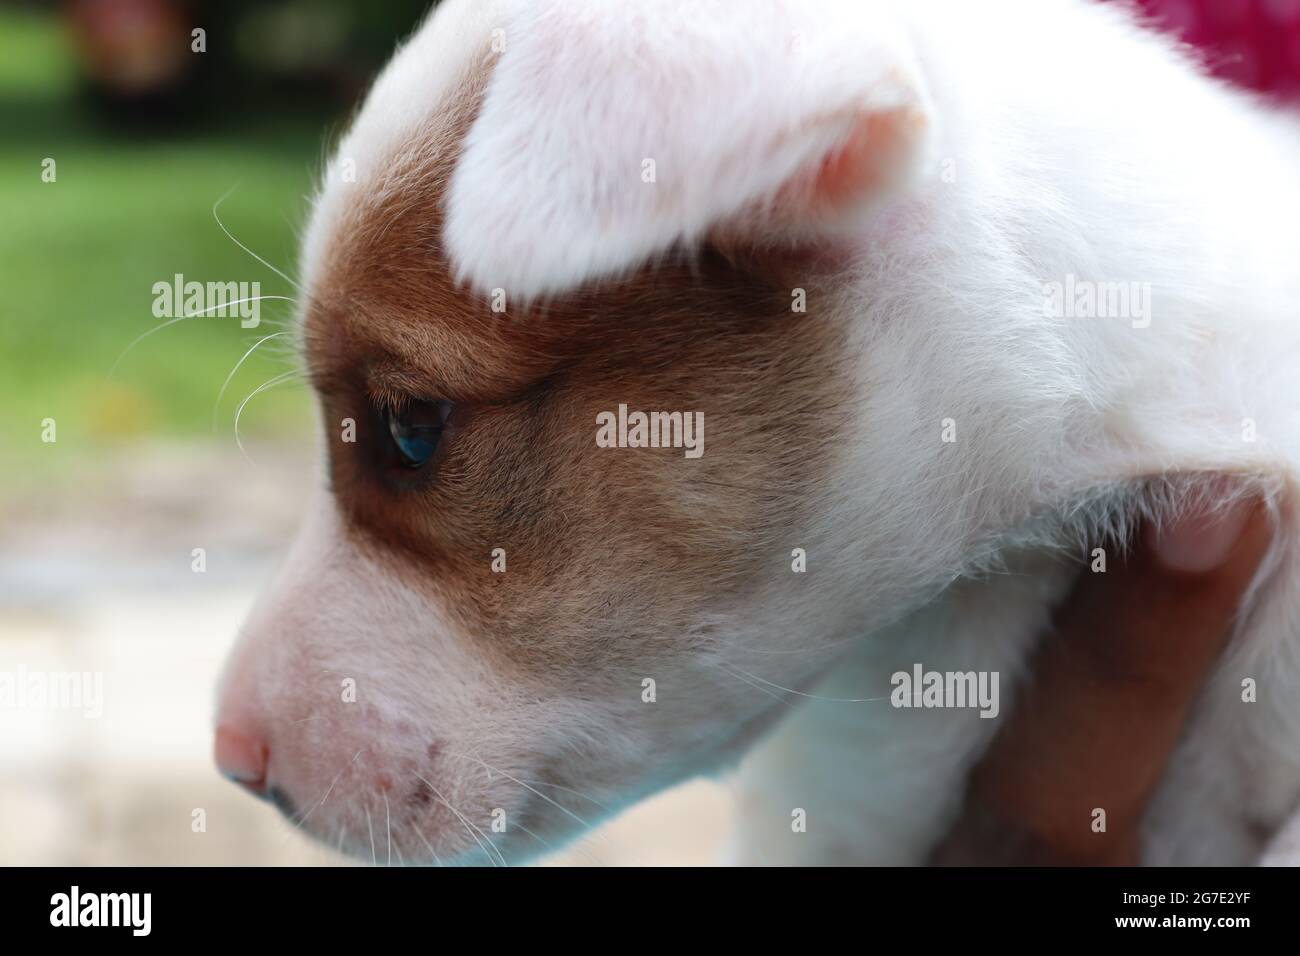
x,y
120,130
99,526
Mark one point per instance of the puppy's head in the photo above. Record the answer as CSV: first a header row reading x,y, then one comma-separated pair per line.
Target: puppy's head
x,y
495,628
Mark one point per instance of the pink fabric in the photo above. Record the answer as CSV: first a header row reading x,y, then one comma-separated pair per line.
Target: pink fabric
x,y
1253,42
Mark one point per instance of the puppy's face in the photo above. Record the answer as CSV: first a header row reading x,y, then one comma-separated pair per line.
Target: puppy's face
x,y
494,630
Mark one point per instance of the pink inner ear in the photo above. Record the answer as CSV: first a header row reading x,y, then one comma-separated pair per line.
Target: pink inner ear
x,y
867,165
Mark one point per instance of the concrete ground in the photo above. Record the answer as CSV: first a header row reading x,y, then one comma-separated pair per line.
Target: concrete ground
x,y
97,577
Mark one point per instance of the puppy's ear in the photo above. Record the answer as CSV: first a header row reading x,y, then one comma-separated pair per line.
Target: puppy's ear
x,y
612,131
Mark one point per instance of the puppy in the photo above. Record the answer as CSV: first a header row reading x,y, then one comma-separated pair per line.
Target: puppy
x,y
951,286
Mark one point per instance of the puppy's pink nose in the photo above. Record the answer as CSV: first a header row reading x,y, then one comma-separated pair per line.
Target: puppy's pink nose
x,y
242,757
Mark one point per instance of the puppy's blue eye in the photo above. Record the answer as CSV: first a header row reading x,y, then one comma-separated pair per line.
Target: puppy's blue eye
x,y
416,429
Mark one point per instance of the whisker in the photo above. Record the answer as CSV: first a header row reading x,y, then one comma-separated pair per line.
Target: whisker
x,y
750,683
797,693
374,860
217,205
299,819
302,818
575,848
388,825
420,833
469,828
576,793
340,773
524,785
269,384
226,384
495,849
190,315
545,843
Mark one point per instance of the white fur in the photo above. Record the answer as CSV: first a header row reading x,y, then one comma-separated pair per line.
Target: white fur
x,y
1080,145
582,102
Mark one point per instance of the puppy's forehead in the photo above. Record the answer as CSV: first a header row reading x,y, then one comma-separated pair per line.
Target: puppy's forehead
x,y
377,283
382,292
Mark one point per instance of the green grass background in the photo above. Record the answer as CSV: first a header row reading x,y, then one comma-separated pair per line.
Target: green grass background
x,y
79,257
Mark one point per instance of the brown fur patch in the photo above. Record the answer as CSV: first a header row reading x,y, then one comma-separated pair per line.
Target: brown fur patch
x,y
601,544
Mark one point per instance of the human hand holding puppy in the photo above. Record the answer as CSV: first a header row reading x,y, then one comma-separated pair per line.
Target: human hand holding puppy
x,y
1113,689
